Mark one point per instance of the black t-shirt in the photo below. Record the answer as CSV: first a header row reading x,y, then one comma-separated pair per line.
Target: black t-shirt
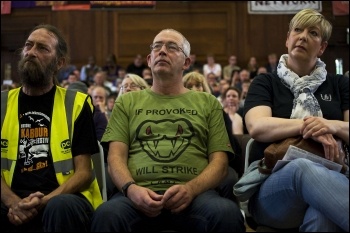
x,y
101,122
235,160
267,89
34,169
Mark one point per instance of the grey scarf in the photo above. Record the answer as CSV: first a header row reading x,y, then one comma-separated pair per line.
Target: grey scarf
x,y
303,88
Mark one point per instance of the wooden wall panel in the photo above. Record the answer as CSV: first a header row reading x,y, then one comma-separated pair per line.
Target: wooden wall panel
x,y
14,30
204,38
217,27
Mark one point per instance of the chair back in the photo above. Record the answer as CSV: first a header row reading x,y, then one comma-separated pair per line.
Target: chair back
x,y
247,153
99,167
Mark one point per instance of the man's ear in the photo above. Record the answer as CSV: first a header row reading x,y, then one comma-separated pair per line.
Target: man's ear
x,y
149,60
187,63
60,63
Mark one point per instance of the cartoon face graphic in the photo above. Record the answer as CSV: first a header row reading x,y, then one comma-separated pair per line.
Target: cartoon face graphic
x,y
165,140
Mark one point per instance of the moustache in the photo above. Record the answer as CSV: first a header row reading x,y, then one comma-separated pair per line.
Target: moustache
x,y
28,59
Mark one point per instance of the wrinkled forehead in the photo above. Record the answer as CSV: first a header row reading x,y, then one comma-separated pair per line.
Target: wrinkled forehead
x,y
168,35
43,36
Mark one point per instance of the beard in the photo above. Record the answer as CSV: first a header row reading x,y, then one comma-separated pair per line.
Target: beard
x,y
32,74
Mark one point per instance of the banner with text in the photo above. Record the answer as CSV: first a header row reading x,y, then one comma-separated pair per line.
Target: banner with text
x,y
281,7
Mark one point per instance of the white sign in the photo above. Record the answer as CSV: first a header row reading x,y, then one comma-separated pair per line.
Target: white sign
x,y
281,7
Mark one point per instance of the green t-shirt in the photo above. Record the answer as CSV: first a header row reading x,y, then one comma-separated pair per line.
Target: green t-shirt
x,y
169,137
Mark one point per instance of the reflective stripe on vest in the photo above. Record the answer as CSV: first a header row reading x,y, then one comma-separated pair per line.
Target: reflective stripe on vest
x,y
63,160
60,166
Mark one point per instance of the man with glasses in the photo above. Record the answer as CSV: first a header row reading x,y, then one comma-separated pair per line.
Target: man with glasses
x,y
167,153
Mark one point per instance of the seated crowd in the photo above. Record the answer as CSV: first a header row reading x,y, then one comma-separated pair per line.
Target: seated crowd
x,y
171,129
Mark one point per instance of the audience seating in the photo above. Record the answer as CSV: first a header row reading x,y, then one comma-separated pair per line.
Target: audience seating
x,y
99,167
244,205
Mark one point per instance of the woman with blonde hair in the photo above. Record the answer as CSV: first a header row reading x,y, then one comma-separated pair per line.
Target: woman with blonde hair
x,y
196,81
132,82
291,102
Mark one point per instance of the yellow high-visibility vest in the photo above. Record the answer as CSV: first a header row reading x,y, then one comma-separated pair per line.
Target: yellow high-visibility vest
x,y
67,107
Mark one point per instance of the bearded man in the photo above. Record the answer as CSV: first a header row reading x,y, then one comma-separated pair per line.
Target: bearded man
x,y
49,185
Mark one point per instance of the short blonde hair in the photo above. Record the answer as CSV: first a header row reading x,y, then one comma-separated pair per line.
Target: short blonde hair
x,y
137,80
310,17
198,78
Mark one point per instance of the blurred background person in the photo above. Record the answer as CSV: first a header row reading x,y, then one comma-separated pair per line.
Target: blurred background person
x,y
212,67
272,62
214,85
231,98
132,82
195,65
147,76
252,67
111,67
197,82
261,70
110,104
232,65
137,66
89,70
100,79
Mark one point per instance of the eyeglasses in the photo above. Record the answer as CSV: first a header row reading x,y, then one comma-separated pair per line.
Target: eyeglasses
x,y
170,47
132,86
